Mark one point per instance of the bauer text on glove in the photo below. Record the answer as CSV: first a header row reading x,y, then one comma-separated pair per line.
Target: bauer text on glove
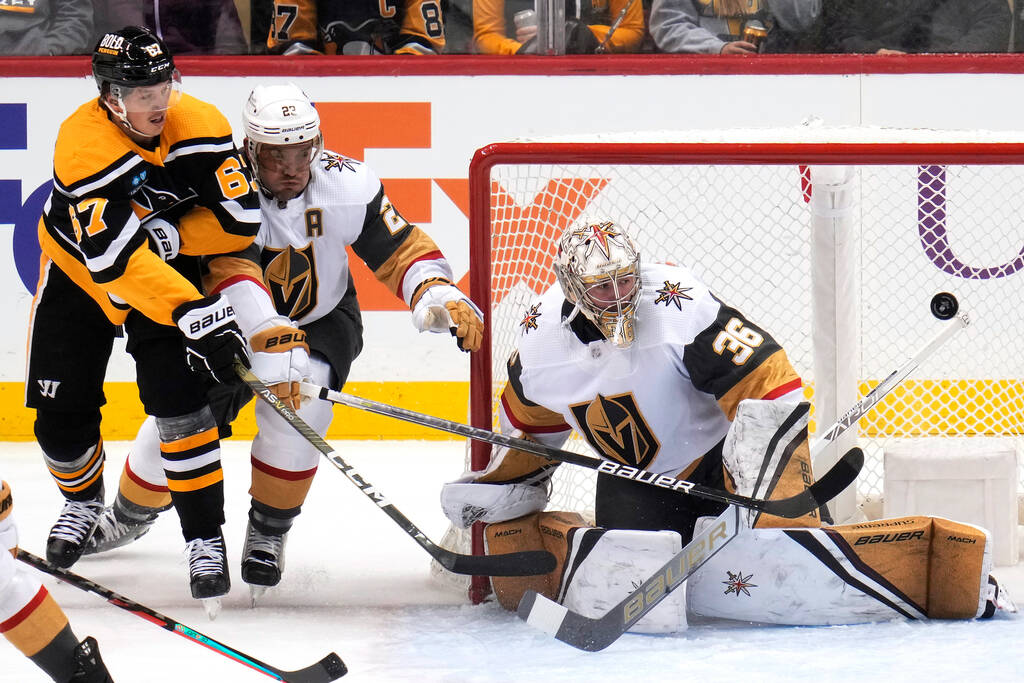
x,y
212,338
281,361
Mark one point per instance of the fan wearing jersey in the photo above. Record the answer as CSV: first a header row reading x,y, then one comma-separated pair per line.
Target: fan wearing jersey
x,y
31,619
356,27
315,203
151,221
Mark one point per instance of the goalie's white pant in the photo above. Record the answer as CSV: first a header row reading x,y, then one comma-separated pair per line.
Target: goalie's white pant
x,y
915,567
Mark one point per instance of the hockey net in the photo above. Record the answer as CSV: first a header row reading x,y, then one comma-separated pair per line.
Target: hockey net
x,y
834,240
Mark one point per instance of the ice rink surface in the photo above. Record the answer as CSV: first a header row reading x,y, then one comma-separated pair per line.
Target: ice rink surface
x,y
357,585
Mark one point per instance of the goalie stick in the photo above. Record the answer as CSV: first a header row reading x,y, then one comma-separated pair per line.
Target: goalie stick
x,y
593,634
811,498
525,563
330,668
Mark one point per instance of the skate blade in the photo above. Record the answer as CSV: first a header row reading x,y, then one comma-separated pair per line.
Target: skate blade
x,y
212,607
255,593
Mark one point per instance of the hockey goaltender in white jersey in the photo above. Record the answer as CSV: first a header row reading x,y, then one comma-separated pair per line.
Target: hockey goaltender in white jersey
x,y
657,373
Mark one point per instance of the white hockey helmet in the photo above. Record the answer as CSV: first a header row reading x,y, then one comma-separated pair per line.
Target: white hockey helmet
x,y
598,267
280,115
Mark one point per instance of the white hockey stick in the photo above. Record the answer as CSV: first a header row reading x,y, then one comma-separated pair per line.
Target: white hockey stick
x,y
861,407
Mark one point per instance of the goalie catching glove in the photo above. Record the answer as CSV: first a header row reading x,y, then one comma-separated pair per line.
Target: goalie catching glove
x,y
281,361
212,338
514,484
442,307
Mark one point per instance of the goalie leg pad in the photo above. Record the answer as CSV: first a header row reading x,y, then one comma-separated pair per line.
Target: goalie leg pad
x,y
539,531
767,456
604,566
911,567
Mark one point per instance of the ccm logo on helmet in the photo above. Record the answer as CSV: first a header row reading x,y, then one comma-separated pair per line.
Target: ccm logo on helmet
x,y
210,320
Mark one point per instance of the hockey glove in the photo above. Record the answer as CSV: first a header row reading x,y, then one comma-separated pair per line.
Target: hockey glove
x,y
212,337
164,239
281,361
445,307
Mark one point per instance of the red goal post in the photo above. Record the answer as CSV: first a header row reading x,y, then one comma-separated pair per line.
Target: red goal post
x,y
834,239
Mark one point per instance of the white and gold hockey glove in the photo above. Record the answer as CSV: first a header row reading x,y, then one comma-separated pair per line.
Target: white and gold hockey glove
x,y
442,307
281,361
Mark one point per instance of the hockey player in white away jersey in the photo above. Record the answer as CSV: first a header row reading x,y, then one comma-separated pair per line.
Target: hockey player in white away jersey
x,y
314,204
32,621
657,373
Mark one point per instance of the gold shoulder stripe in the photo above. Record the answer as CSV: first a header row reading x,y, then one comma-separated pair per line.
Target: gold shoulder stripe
x,y
775,371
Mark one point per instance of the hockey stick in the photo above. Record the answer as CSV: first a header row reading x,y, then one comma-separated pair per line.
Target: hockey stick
x,y
593,634
330,668
526,563
814,496
861,407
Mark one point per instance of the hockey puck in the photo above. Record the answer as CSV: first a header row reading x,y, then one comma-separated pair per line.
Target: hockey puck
x,y
944,305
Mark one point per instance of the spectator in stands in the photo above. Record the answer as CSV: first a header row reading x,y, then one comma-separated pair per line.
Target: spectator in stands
x,y
458,26
590,26
187,27
735,27
45,27
402,27
917,26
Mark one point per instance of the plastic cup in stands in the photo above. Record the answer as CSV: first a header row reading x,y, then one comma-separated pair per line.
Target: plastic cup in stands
x,y
526,17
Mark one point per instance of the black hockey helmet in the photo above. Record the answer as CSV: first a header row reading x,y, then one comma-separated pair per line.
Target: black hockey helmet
x,y
131,57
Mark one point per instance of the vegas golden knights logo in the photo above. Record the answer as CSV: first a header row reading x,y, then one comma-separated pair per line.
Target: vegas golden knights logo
x,y
290,275
616,428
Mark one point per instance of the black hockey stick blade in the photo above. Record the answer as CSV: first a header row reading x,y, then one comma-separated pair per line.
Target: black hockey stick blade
x,y
525,563
834,482
593,634
330,668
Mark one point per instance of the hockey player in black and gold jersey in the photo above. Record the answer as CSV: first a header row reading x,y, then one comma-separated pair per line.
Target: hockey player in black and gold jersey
x,y
357,27
152,206
32,620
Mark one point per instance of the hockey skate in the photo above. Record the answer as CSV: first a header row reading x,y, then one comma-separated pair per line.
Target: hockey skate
x,y
89,666
121,524
71,532
262,561
208,572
